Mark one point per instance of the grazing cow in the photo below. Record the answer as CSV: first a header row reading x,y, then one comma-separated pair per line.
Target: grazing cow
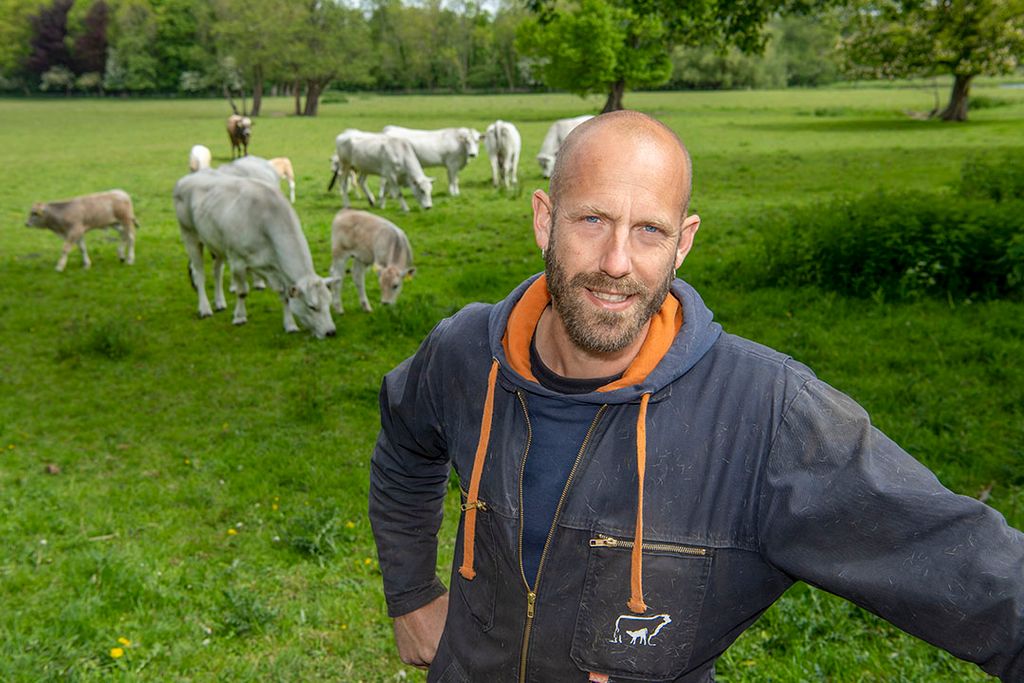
x,y
393,159
199,158
553,140
503,146
72,218
283,166
240,222
369,240
239,132
448,147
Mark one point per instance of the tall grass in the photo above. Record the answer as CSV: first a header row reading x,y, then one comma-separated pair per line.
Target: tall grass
x,y
199,489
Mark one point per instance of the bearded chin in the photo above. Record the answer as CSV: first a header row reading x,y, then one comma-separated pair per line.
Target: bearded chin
x,y
589,328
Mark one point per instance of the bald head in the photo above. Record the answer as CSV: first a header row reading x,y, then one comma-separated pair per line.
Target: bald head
x,y
620,133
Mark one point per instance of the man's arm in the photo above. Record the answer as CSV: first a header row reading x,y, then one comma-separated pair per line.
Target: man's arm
x,y
847,510
408,482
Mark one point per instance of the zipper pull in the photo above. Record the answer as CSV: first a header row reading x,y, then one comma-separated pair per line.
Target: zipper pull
x,y
603,542
531,600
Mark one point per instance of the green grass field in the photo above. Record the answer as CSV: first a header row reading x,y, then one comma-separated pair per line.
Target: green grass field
x,y
199,490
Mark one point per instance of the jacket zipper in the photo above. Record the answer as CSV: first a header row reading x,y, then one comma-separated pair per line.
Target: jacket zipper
x,y
603,541
531,593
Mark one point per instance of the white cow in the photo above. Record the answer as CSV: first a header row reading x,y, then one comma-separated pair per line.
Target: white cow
x,y
503,145
72,218
448,147
240,222
553,140
369,240
393,159
199,158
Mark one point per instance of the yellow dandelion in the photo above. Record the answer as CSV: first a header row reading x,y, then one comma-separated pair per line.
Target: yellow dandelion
x,y
344,627
124,641
274,507
116,652
10,446
367,561
350,525
231,532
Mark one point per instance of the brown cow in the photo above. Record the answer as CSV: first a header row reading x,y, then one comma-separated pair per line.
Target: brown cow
x,y
72,218
239,132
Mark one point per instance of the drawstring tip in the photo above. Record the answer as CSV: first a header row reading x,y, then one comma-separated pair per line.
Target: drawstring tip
x,y
637,605
467,573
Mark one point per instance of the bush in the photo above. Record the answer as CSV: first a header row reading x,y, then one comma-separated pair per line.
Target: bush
x,y
896,245
998,177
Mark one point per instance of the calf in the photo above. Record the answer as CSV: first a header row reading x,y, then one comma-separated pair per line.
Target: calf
x,y
369,240
239,132
553,141
448,147
72,218
503,145
240,222
393,159
199,158
283,166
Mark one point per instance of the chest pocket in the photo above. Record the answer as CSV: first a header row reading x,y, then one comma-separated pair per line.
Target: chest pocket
x,y
656,645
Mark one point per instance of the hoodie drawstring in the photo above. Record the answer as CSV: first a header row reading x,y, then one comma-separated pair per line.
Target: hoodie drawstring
x,y
636,588
472,497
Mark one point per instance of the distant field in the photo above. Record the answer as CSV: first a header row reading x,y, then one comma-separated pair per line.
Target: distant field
x,y
209,488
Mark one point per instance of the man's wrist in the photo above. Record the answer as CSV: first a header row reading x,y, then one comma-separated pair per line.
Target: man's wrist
x,y
412,600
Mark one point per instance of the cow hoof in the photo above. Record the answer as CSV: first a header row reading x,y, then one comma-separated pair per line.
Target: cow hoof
x,y
239,321
205,314
220,307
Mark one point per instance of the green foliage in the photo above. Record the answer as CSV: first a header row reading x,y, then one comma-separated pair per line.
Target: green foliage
x,y
895,246
315,533
109,338
995,176
243,612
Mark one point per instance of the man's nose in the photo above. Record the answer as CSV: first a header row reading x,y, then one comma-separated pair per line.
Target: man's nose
x,y
616,261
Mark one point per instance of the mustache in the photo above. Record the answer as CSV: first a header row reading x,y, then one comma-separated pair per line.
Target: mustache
x,y
625,285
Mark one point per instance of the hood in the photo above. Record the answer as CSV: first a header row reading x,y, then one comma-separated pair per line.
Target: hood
x,y
655,366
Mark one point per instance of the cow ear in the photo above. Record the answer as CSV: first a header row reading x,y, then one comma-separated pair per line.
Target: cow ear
x,y
293,292
332,282
409,273
375,267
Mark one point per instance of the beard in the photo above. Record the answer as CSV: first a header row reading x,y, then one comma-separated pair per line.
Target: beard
x,y
590,328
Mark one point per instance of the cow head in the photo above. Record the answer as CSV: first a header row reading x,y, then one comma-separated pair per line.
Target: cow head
x,y
470,140
245,127
391,279
36,216
421,189
309,300
547,164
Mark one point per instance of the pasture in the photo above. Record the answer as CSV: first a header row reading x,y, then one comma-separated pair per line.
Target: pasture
x,y
198,490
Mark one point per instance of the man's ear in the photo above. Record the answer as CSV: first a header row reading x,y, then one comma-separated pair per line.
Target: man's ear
x,y
691,224
542,218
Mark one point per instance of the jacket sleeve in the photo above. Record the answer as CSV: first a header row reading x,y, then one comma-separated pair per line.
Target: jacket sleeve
x,y
846,509
408,480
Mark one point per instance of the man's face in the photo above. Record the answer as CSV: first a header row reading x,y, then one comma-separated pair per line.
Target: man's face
x,y
614,239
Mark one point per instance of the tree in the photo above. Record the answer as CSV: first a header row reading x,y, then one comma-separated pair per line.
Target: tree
x,y
15,36
907,38
251,32
591,46
90,48
131,61
49,35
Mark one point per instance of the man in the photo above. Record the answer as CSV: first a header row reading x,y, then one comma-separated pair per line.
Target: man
x,y
640,486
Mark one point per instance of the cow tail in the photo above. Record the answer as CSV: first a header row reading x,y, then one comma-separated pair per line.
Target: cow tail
x,y
331,184
191,279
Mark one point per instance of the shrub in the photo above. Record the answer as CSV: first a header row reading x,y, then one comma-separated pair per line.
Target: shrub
x,y
315,533
896,245
112,338
998,177
244,613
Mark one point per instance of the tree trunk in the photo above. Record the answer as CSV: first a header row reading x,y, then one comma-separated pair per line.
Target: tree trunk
x,y
297,92
313,88
956,110
614,101
257,89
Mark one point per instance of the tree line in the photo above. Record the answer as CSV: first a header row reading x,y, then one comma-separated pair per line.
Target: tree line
x,y
303,47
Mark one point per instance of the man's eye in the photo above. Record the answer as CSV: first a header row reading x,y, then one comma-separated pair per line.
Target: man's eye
x,y
591,219
650,229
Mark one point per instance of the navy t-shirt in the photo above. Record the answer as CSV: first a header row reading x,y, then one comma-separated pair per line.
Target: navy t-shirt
x,y
558,432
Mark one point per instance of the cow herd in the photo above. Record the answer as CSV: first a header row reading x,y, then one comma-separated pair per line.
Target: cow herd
x,y
239,214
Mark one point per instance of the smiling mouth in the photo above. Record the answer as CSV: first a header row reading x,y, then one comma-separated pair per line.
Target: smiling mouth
x,y
609,296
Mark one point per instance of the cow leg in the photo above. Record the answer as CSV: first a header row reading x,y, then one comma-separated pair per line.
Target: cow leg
x,y
338,271
494,170
384,187
453,181
194,249
219,302
86,263
238,277
289,320
291,189
359,277
126,250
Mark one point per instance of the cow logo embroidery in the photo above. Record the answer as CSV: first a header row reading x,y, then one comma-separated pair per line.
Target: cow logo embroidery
x,y
641,630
